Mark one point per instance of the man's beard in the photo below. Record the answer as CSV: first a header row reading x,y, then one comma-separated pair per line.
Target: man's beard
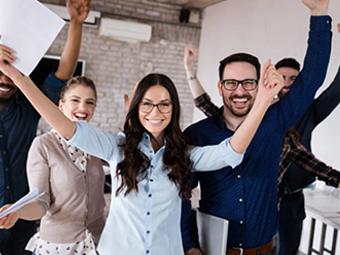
x,y
6,99
230,108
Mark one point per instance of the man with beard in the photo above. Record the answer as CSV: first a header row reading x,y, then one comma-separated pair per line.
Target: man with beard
x,y
18,127
247,194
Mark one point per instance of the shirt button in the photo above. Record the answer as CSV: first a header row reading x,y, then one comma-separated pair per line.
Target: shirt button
x,y
238,176
4,152
7,187
151,166
151,180
240,244
150,195
241,221
148,213
240,200
147,251
6,169
148,231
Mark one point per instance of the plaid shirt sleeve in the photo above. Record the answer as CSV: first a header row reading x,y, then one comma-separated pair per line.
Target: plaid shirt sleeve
x,y
203,102
294,151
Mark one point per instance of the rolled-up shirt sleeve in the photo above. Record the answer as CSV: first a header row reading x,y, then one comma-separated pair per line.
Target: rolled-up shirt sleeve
x,y
94,141
214,157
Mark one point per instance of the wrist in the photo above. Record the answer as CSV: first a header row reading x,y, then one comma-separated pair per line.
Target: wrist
x,y
191,77
76,22
319,12
263,102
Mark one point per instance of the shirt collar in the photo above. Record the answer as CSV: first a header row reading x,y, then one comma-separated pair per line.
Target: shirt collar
x,y
145,145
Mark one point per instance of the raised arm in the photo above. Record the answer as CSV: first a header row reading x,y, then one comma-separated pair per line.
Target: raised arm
x,y
194,84
201,98
329,99
78,11
46,108
314,70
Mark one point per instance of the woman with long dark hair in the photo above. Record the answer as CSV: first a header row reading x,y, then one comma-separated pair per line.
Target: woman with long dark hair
x,y
150,160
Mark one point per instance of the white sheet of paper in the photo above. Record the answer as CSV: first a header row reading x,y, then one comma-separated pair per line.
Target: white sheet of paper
x,y
212,233
28,198
29,28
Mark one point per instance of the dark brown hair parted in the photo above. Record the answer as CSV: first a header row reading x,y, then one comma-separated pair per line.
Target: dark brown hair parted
x,y
176,157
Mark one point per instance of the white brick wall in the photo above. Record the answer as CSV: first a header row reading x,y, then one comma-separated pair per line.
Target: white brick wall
x,y
116,66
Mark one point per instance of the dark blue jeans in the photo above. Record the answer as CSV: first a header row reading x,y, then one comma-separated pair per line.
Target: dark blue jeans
x,y
14,240
291,216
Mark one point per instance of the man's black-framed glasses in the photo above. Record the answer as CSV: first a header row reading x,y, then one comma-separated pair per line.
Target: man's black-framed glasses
x,y
163,107
232,84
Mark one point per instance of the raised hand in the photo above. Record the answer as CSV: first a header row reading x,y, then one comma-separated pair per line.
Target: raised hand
x,y
9,70
271,82
317,7
78,9
189,58
6,54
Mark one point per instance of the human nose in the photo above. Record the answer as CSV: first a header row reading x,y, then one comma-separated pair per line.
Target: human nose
x,y
155,110
239,89
82,106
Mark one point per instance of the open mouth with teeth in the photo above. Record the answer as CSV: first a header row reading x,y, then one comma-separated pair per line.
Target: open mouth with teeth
x,y
155,122
240,102
6,88
81,116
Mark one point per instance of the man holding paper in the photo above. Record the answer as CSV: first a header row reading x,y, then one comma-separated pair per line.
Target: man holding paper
x,y
19,122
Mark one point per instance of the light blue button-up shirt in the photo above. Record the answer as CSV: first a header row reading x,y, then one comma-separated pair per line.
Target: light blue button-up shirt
x,y
146,222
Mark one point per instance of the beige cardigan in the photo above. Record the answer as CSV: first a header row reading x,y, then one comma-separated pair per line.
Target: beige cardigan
x,y
74,201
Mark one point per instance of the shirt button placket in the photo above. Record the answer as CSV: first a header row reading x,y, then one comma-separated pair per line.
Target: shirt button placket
x,y
148,215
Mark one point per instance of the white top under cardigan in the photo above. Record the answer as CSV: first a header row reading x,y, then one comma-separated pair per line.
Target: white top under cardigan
x,y
148,221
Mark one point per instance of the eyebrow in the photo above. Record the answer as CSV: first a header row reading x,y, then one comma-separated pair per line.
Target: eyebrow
x,y
162,101
89,98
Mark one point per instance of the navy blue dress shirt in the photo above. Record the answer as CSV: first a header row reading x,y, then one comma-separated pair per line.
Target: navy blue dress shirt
x,y
247,194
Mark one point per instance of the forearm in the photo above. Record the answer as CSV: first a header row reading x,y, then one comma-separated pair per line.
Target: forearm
x,y
70,54
46,108
194,84
246,131
204,104
32,211
329,99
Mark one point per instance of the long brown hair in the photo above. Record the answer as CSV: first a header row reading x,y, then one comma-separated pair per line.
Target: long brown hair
x,y
175,157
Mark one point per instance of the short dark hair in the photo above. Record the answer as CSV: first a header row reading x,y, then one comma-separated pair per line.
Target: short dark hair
x,y
240,57
288,62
